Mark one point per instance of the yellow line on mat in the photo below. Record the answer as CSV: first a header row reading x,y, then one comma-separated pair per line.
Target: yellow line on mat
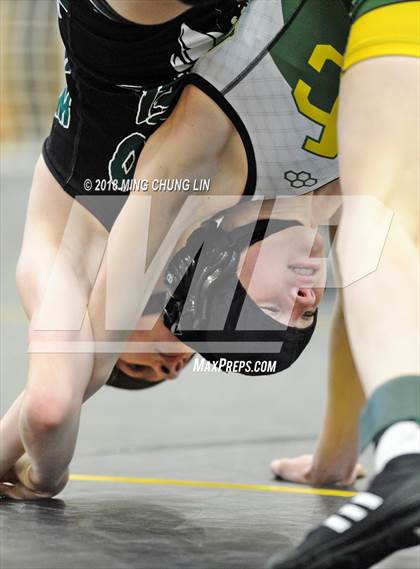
x,y
218,485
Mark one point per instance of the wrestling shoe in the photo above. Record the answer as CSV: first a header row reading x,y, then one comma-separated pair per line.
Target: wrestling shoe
x,y
369,528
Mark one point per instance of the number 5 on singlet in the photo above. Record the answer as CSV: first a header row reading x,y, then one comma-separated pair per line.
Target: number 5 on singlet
x,y
309,54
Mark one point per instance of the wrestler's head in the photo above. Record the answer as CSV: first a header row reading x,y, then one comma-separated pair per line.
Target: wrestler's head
x,y
293,259
264,280
248,292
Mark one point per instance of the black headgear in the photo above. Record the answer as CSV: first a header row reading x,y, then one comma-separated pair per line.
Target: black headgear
x,y
209,309
124,381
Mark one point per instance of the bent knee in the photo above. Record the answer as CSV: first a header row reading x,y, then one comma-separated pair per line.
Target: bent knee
x,y
43,412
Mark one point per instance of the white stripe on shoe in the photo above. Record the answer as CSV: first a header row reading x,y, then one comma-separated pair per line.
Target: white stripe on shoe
x,y
337,524
355,513
368,500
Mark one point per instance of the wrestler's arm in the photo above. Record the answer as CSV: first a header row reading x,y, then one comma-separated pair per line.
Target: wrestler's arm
x,y
197,142
337,449
335,457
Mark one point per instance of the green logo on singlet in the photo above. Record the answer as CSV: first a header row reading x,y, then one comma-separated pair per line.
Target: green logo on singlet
x,y
63,112
123,162
62,4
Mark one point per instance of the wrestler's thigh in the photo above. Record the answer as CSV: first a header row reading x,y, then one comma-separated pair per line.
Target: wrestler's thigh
x,y
379,148
56,228
378,129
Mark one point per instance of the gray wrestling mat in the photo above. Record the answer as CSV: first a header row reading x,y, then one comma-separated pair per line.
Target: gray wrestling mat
x,y
175,477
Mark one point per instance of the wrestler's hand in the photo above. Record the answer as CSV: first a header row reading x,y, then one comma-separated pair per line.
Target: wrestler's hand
x,y
301,470
16,483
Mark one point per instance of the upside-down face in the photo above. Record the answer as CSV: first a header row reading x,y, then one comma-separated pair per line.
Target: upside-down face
x,y
156,364
285,275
